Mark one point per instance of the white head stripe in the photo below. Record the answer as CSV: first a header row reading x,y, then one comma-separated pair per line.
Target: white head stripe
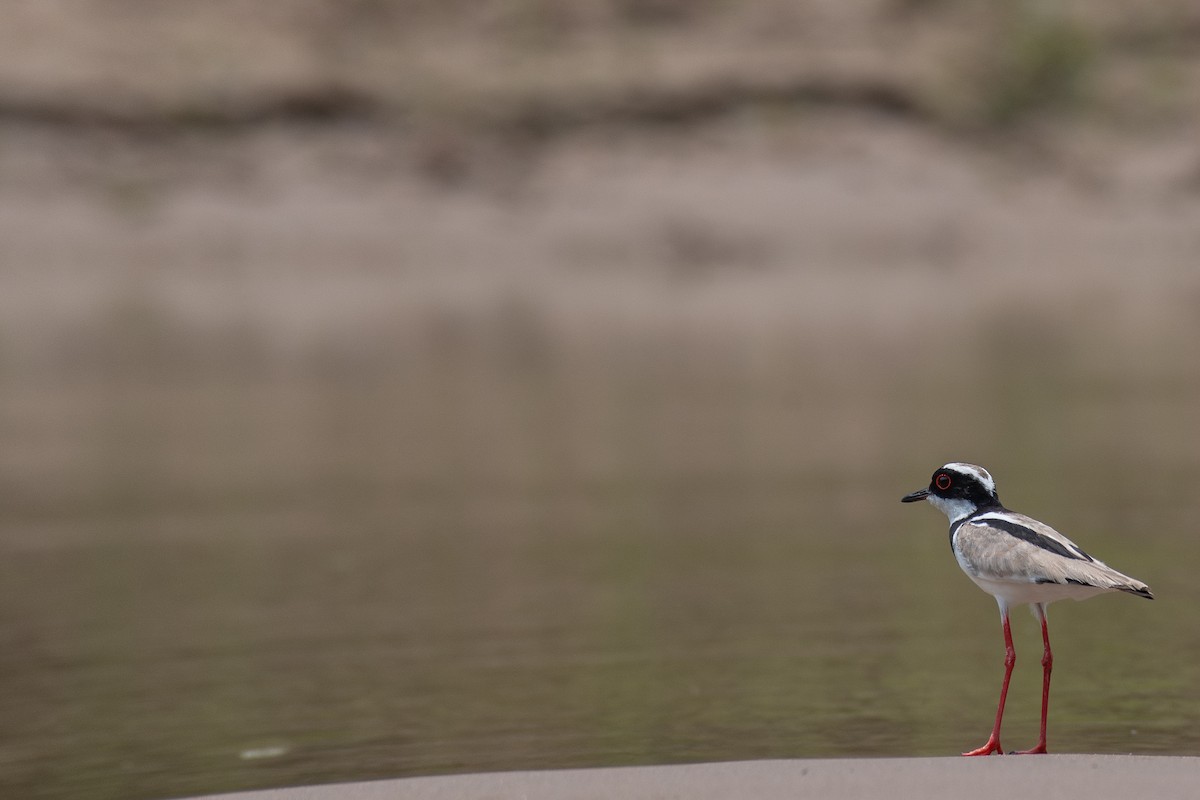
x,y
977,472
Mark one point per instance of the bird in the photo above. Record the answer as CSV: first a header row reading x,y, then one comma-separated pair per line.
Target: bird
x,y
1017,560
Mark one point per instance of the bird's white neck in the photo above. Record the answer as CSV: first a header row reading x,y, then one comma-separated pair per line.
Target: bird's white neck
x,y
956,509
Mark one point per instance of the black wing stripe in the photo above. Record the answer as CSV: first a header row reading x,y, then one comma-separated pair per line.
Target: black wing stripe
x,y
1035,538
1067,580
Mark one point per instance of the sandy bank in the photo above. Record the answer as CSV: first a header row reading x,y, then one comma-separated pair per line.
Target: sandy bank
x,y
1055,776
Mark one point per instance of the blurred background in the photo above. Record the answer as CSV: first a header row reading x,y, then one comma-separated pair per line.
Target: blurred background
x,y
397,387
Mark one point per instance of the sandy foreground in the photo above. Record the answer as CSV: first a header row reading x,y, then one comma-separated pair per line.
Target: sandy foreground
x,y
1055,776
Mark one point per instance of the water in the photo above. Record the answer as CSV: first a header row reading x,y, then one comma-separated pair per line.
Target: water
x,y
222,583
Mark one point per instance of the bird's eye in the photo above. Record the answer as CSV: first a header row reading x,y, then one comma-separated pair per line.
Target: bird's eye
x,y
942,481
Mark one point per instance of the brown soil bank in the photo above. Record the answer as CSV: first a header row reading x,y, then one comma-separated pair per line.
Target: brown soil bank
x,y
540,65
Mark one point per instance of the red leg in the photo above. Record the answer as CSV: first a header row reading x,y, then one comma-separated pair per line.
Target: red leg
x,y
1010,657
1047,665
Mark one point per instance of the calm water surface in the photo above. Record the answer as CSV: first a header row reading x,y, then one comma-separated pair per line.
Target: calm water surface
x,y
501,630
228,589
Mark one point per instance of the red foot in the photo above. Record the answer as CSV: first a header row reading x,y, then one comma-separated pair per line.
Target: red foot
x,y
992,746
1039,750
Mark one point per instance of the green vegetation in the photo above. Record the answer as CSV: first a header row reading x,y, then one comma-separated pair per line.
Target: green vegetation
x,y
1040,62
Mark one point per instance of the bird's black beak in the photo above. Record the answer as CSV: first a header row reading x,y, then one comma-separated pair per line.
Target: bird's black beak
x,y
913,497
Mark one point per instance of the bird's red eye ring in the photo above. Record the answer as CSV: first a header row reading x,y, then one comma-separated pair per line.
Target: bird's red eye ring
x,y
942,481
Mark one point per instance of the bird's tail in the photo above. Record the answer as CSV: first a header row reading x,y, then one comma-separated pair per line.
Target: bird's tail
x,y
1138,588
1102,576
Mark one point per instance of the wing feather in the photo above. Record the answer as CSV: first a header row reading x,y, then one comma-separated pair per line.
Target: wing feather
x,y
1012,548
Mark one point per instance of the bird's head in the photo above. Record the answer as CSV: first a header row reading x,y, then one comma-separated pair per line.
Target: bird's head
x,y
958,490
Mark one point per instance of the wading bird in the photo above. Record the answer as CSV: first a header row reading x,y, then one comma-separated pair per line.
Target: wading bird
x,y
1016,559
